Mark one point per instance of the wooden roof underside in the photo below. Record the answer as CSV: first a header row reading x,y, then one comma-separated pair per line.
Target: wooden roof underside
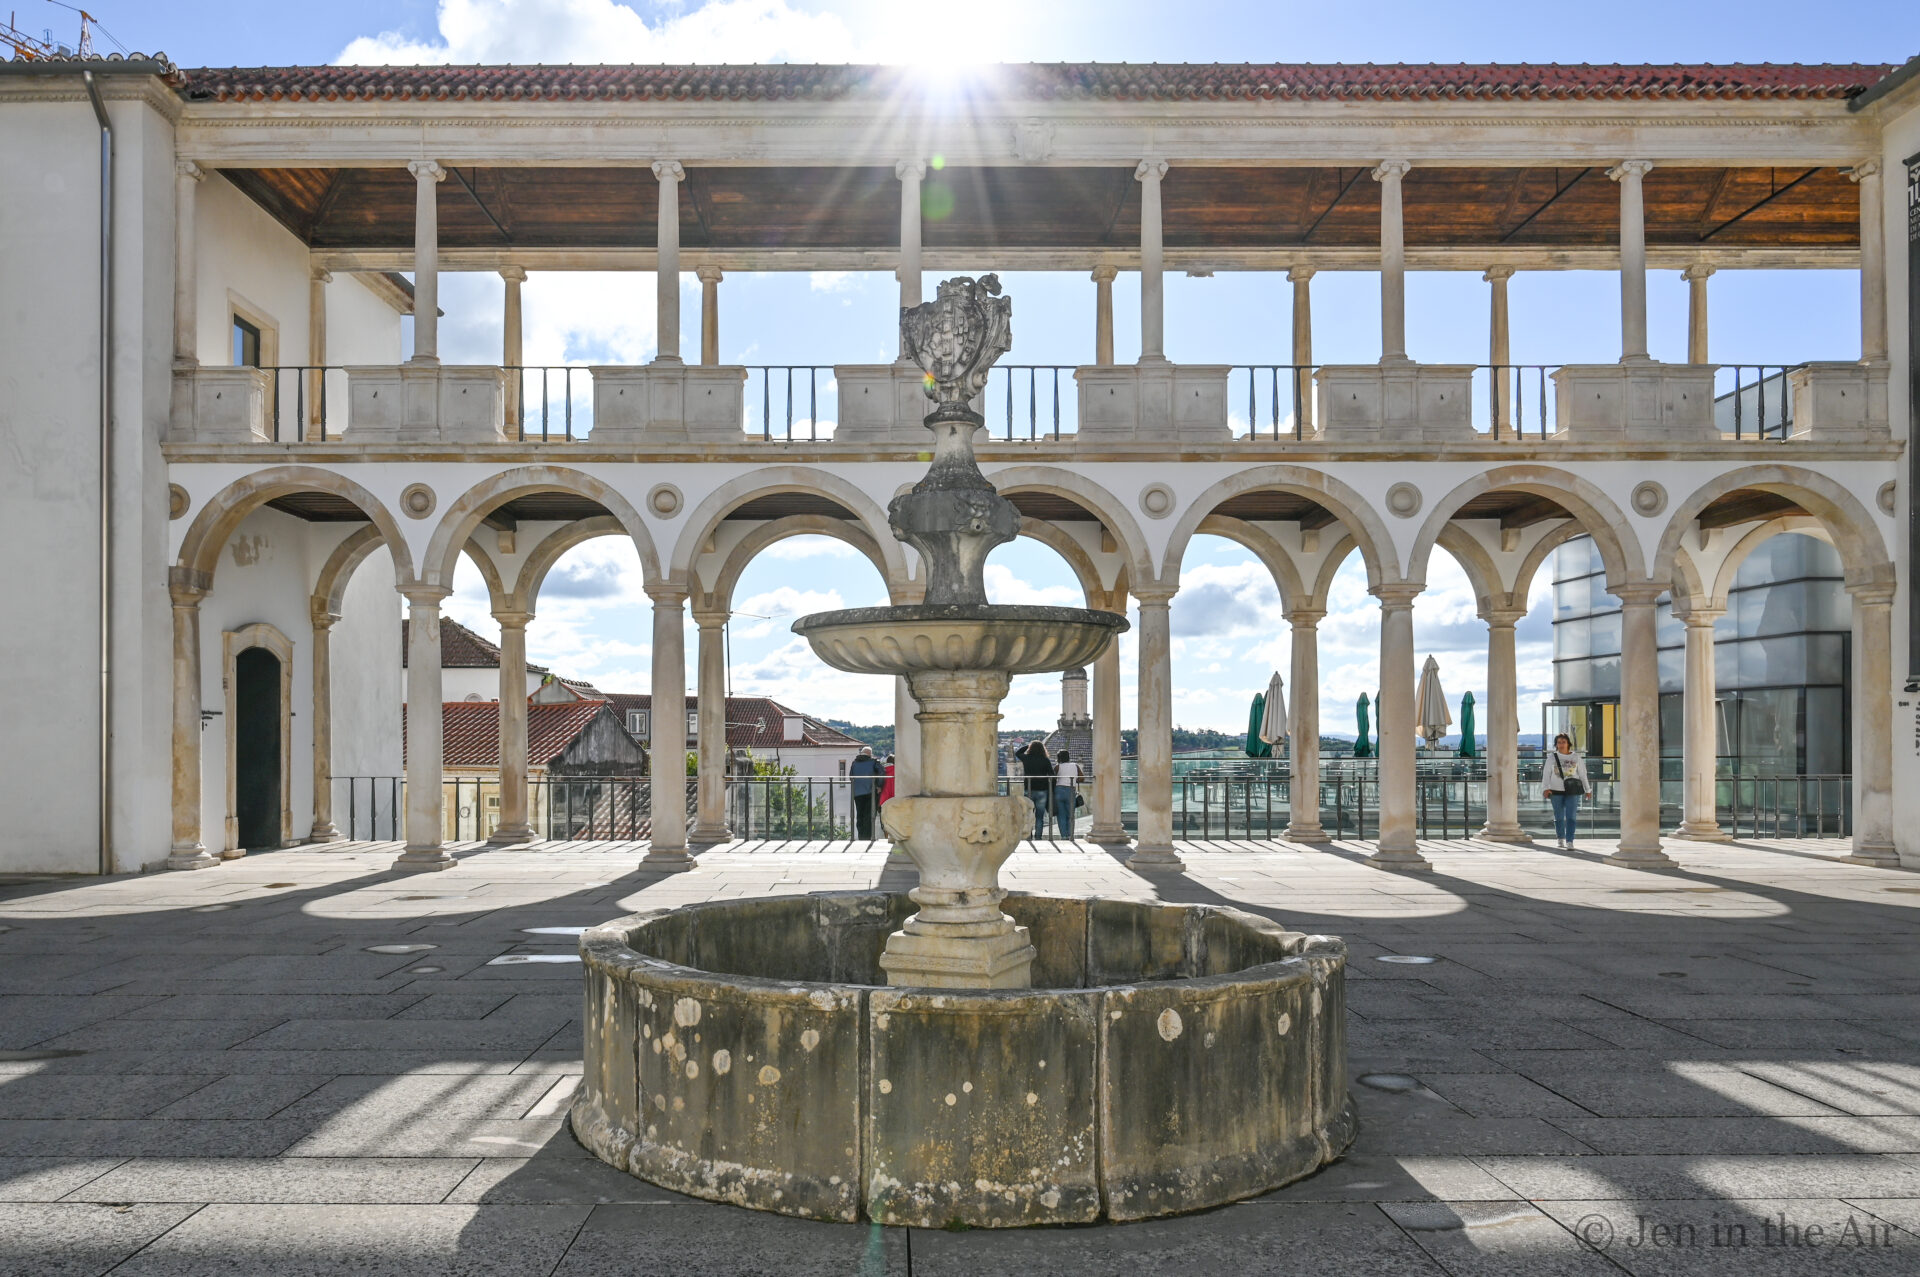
x,y
742,209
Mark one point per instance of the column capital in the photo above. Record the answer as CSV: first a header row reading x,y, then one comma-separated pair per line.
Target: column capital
x,y
1154,598
426,170
320,275
1104,274
1637,593
667,595
669,171
514,274
190,169
1152,169
1396,594
1699,270
1863,170
1630,168
1395,169
425,595
1701,617
1497,274
1304,618
709,274
710,620
1871,594
1502,618
905,169
512,620
1301,274
189,584
321,613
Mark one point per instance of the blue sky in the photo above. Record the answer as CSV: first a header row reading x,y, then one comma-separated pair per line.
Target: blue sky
x,y
1229,636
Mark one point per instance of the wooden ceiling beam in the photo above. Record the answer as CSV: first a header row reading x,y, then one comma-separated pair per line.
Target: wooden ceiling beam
x,y
1756,207
1551,201
1530,510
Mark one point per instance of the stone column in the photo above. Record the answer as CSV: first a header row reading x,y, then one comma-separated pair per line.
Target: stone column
x,y
710,818
709,277
426,796
1107,829
1700,741
317,281
1393,263
1500,348
1301,278
667,751
1873,842
323,827
1873,262
427,177
1696,277
909,172
514,826
1633,259
1303,726
186,270
1153,300
187,588
1153,852
1397,846
1639,731
1103,314
666,270
511,350
1503,730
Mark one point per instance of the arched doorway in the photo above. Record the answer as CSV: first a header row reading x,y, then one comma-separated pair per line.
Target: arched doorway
x,y
256,749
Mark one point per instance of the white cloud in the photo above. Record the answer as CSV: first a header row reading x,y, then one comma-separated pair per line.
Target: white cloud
x,y
781,607
1003,586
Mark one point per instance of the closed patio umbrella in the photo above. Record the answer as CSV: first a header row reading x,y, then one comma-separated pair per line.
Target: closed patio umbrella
x,y
1468,747
1257,748
1273,726
1361,749
1434,719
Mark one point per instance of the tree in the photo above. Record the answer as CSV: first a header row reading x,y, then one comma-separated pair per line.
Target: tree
x,y
782,804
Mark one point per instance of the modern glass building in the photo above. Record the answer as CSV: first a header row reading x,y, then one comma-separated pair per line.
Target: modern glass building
x,y
1781,661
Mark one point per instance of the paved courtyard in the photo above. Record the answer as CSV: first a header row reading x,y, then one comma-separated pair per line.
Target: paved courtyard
x,y
234,1071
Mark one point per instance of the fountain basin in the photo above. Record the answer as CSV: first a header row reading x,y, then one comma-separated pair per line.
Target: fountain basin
x,y
1011,639
1172,1057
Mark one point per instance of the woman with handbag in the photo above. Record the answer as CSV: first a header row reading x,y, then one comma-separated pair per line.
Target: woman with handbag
x,y
1066,784
1563,777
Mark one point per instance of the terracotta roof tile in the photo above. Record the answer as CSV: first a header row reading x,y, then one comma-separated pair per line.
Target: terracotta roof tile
x,y
1126,82
753,722
462,649
470,731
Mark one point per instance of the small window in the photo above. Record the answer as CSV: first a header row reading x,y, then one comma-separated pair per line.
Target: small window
x,y
843,767
637,723
246,344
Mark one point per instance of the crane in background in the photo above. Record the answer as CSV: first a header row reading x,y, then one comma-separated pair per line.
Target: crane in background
x,y
27,48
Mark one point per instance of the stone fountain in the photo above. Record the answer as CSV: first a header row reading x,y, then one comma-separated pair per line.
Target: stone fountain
x,y
958,653
1029,1059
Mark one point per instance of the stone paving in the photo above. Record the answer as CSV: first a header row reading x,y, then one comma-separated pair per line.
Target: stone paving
x,y
231,1071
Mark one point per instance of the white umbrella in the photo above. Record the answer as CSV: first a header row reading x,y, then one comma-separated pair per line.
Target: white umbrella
x,y
1273,724
1432,704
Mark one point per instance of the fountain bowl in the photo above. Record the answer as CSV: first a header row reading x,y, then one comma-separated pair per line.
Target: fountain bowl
x,y
1014,639
1171,1057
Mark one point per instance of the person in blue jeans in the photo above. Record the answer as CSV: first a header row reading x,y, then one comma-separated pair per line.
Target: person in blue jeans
x,y
866,776
1066,783
1563,777
1038,769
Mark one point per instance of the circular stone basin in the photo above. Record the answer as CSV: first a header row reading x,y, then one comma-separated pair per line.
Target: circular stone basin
x,y
1170,1058
1016,639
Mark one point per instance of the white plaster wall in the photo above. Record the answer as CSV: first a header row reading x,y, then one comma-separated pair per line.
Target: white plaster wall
x,y
477,684
265,575
245,254
368,687
49,476
361,328
1902,138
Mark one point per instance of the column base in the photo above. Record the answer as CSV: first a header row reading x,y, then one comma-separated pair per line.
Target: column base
x,y
425,860
1399,861
667,861
712,836
1109,836
507,836
1314,833
1874,855
1702,831
233,853
1147,859
191,858
1505,833
929,961
324,833
1639,858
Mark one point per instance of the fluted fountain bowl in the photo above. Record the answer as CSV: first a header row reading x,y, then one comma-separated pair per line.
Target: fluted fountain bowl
x,y
1017,638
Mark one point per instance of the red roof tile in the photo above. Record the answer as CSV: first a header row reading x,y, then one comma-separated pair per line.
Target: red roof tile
x,y
1127,82
462,649
470,731
753,722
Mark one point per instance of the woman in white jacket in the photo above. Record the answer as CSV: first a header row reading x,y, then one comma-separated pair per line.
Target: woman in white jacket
x,y
1563,778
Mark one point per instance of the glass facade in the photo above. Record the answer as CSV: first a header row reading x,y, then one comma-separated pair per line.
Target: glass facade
x,y
1781,660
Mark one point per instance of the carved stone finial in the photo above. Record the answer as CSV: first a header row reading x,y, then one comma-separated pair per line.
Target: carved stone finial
x,y
956,337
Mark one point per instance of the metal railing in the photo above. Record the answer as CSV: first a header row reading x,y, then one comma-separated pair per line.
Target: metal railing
x,y
783,389
370,808
1268,386
532,409
1754,401
1517,400
1786,806
299,399
1028,399
792,808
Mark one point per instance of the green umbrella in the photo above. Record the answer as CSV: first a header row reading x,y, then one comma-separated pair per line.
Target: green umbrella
x,y
1361,749
1467,748
1257,748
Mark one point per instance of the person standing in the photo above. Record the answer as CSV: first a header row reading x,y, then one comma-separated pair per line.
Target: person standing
x,y
865,775
1066,787
1039,772
886,789
1563,778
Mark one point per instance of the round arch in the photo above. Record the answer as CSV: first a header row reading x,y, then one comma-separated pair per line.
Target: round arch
x,y
525,593
1523,579
1085,571
1592,510
456,528
223,513
1359,519
1272,555
742,555
1108,509
1746,545
1862,546
772,481
329,592
1482,575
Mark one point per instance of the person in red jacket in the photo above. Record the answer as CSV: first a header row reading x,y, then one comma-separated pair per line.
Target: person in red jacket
x,y
886,786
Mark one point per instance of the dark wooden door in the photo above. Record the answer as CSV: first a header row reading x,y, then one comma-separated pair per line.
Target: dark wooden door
x,y
256,748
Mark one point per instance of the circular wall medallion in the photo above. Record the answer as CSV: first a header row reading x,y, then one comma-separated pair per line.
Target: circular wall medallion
x,y
665,500
418,500
1649,499
178,500
1157,500
1404,500
1886,497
